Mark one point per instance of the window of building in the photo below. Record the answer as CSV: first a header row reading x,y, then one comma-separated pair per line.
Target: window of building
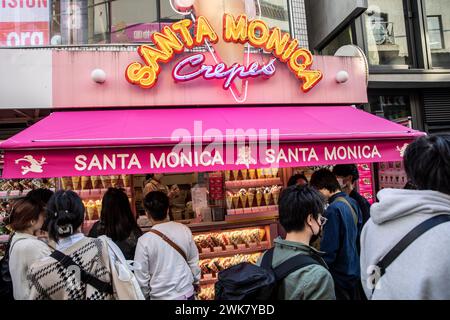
x,y
392,107
438,25
435,32
131,24
387,33
78,22
24,23
108,21
344,38
275,13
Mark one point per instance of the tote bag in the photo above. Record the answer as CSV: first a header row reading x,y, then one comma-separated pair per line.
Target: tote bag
x,y
125,285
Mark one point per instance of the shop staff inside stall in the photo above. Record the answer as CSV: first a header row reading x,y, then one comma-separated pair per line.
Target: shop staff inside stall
x,y
153,182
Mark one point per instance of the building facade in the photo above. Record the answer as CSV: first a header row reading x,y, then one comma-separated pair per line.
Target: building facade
x,y
67,25
407,44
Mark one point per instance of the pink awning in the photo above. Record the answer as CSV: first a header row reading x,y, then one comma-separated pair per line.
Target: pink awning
x,y
142,141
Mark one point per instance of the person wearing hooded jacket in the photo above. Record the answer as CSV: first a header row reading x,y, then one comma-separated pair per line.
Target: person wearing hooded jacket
x,y
422,270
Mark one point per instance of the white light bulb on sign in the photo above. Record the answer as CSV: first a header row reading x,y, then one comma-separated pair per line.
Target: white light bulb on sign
x,y
98,75
342,76
182,7
184,3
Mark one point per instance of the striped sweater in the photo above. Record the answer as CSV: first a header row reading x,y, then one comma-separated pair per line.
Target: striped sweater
x,y
51,281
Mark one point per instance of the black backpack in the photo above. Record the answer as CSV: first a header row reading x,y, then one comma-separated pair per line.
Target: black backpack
x,y
246,281
6,286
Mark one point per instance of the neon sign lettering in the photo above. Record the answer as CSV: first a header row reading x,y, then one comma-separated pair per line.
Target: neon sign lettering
x,y
220,71
174,39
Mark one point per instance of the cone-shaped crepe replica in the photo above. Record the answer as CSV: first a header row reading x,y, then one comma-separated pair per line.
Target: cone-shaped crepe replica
x,y
105,181
235,174
259,196
90,208
94,181
65,182
275,172
252,173
236,200
276,194
214,10
98,205
243,197
267,196
84,182
244,174
268,172
114,181
76,183
227,175
126,180
260,173
251,196
229,200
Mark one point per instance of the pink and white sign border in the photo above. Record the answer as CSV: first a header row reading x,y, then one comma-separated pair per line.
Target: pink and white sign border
x,y
167,159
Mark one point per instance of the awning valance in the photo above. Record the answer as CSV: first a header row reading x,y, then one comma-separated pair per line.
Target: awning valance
x,y
201,139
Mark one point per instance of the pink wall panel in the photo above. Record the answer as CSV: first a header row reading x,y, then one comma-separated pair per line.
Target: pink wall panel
x,y
73,86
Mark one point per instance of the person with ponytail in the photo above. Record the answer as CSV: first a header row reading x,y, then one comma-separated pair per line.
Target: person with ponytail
x,y
79,268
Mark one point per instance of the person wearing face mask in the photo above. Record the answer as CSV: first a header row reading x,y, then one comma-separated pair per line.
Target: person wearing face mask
x,y
347,176
340,240
300,214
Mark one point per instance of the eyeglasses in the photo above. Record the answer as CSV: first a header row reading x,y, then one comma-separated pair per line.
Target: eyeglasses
x,y
322,220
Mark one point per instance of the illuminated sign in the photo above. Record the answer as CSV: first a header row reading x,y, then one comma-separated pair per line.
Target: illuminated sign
x,y
220,71
176,38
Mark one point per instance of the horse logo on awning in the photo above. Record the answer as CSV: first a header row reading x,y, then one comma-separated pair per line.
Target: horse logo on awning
x,y
34,166
402,149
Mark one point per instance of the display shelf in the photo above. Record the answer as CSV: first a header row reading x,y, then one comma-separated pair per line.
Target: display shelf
x,y
253,210
273,214
97,193
15,194
217,226
221,252
253,183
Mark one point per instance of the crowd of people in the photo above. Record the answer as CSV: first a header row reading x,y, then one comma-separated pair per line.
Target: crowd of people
x,y
394,249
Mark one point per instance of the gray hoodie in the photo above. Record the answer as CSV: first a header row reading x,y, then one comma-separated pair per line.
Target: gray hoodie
x,y
422,271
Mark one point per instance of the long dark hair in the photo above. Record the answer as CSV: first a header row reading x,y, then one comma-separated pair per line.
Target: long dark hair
x,y
117,219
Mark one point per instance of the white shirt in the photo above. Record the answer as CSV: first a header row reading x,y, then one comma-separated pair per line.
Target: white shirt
x,y
165,275
26,249
66,243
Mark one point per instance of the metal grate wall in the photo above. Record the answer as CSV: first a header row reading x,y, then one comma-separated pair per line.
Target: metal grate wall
x,y
298,16
437,110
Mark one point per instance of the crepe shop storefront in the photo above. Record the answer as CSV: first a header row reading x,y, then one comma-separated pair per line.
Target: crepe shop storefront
x,y
226,138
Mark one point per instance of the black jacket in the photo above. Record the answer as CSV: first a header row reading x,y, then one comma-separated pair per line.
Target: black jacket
x,y
363,204
127,246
